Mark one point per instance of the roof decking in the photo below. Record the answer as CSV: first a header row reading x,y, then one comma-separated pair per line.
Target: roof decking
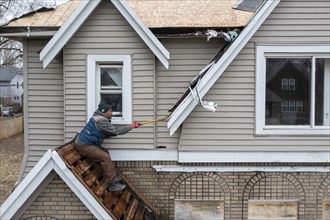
x,y
126,204
154,14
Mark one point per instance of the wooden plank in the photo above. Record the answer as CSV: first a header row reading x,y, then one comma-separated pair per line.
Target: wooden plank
x,y
139,196
100,188
120,207
62,150
72,157
139,213
82,166
125,197
110,199
131,210
92,176
119,210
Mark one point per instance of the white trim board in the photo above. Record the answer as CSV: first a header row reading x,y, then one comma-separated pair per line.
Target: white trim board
x,y
92,101
189,103
51,161
264,51
219,157
254,157
81,14
190,169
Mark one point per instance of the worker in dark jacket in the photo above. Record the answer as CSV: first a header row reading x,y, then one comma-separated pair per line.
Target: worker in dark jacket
x,y
89,142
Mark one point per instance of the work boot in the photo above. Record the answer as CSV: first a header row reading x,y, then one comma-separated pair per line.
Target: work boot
x,y
113,186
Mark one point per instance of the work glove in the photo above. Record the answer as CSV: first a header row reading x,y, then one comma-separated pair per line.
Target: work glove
x,y
135,124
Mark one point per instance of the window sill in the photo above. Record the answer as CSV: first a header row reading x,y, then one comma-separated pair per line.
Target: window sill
x,y
293,131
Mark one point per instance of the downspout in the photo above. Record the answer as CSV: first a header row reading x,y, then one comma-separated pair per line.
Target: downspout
x,y
28,31
155,104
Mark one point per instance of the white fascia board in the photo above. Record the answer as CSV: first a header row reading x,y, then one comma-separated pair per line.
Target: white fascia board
x,y
68,29
189,169
253,157
26,188
144,155
79,189
78,17
147,36
187,106
218,157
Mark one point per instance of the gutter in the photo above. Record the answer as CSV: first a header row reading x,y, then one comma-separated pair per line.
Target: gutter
x,y
25,32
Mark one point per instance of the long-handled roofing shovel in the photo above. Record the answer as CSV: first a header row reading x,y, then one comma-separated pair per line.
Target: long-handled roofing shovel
x,y
155,120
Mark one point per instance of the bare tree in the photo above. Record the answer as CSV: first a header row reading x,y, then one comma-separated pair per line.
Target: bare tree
x,y
11,52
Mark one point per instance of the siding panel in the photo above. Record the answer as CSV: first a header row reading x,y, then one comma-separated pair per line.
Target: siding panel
x,y
188,57
106,32
231,128
45,110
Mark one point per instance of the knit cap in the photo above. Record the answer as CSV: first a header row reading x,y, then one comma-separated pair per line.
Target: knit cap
x,y
104,107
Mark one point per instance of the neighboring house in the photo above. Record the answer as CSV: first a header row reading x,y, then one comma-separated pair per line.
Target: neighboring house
x,y
263,154
11,86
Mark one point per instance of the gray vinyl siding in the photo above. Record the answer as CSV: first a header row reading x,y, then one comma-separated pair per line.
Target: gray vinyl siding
x,y
188,57
45,104
106,32
231,128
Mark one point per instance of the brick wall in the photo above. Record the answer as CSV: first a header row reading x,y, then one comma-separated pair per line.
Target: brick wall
x,y
234,188
57,201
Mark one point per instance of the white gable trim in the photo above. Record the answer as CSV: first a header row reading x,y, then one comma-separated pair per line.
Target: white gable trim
x,y
189,103
80,15
67,30
149,38
50,161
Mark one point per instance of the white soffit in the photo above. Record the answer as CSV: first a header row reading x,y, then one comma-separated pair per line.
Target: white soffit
x,y
80,15
49,162
189,103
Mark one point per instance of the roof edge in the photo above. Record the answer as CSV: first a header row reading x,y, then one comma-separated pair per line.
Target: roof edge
x,y
143,31
187,106
77,18
49,162
68,29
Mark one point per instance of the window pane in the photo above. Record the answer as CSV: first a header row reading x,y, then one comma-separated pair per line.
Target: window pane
x,y
288,83
117,100
111,77
322,82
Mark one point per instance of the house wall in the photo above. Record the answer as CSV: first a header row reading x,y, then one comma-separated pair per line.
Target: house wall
x,y
9,90
188,57
155,88
16,92
44,104
234,188
57,201
106,32
231,128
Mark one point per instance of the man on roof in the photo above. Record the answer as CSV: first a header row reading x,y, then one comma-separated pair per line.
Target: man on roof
x,y
89,142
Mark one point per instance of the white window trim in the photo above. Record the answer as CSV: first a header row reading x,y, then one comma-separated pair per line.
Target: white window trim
x,y
92,101
280,50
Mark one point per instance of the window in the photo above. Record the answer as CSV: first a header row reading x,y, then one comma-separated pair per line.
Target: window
x,y
199,209
109,80
326,209
109,85
273,209
292,89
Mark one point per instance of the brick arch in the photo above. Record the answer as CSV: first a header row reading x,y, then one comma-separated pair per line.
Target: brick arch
x,y
323,193
273,186
210,186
